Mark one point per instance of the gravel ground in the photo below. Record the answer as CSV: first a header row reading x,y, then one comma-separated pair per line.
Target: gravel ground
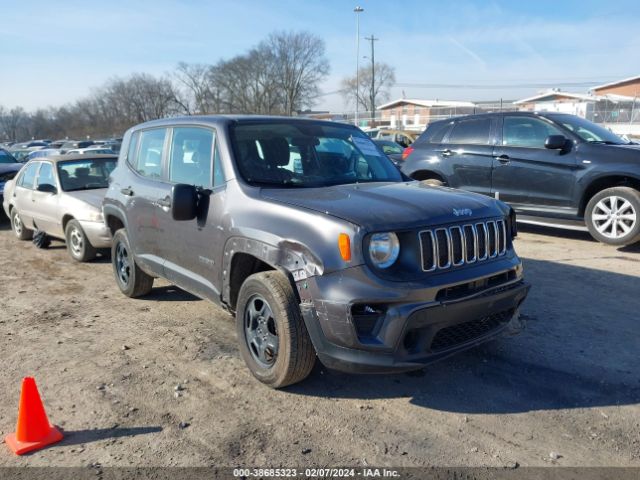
x,y
159,382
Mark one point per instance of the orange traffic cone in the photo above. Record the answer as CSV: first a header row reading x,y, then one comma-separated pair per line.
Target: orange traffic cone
x,y
33,430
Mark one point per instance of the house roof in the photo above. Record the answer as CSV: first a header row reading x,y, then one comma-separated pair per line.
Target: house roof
x,y
555,93
427,103
617,82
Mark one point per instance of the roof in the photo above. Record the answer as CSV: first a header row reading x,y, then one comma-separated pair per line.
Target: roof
x,y
227,119
61,158
555,93
427,103
617,82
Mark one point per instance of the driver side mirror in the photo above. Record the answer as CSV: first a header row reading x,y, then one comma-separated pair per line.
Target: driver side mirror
x,y
184,202
555,142
47,188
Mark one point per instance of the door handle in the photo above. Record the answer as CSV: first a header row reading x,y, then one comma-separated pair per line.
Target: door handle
x,y
503,159
127,191
446,153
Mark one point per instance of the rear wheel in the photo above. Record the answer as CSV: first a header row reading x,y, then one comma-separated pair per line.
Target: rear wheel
x,y
22,232
132,281
613,216
274,342
78,245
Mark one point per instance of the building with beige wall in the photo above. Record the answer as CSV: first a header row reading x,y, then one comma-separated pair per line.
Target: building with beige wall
x,y
414,114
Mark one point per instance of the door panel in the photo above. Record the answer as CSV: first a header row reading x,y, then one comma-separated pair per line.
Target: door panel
x,y
45,205
22,194
468,155
195,263
529,176
148,222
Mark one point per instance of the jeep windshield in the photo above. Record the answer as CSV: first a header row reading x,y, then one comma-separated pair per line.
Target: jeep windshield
x,y
586,130
306,154
85,174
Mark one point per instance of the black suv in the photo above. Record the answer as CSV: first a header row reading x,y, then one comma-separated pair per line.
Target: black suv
x,y
552,168
315,240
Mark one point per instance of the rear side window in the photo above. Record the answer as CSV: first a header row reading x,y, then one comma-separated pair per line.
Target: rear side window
x,y
148,161
45,176
191,156
29,175
475,131
133,145
434,133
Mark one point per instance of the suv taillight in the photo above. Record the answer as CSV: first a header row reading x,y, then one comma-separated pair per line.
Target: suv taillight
x,y
406,152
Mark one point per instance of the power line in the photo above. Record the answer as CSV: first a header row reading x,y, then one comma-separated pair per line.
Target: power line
x,y
497,86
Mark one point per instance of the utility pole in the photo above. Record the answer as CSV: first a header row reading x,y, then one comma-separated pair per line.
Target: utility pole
x,y
358,10
373,76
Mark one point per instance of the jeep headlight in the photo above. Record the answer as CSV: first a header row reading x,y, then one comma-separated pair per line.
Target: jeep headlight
x,y
384,249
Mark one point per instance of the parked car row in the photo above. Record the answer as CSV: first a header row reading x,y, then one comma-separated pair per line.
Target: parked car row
x,y
303,229
26,151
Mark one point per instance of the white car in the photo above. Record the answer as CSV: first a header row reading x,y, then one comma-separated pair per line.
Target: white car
x,y
62,198
91,151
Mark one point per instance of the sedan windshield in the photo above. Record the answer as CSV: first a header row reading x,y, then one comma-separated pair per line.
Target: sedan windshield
x,y
587,130
85,174
306,154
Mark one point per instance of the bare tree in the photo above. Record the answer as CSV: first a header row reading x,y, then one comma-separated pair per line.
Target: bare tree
x,y
385,78
300,65
15,122
197,82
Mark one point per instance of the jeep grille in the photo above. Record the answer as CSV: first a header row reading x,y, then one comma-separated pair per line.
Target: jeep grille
x,y
462,244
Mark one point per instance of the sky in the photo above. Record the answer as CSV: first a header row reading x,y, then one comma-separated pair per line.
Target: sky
x,y
52,53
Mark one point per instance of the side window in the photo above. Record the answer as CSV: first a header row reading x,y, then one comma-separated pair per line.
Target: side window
x,y
148,162
133,145
45,175
29,175
526,132
475,131
191,152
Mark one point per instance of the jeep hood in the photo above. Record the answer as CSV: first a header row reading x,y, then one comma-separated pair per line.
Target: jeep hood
x,y
390,205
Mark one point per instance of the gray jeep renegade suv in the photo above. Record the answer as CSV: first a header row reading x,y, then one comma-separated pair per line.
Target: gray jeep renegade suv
x,y
319,245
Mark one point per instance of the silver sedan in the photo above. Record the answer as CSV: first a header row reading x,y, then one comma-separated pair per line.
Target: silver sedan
x,y
62,197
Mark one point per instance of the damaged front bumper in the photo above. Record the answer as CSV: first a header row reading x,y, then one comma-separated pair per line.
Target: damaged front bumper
x,y
373,326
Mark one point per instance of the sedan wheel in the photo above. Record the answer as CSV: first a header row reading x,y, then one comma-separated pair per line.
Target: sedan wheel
x,y
22,232
613,216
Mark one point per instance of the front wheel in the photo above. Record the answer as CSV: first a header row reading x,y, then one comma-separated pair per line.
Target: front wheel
x,y
274,342
78,245
132,281
612,216
20,231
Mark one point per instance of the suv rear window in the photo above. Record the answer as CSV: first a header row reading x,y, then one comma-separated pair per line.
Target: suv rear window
x,y
148,161
475,131
434,133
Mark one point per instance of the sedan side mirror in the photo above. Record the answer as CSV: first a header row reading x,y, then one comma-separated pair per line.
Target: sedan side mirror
x,y
184,202
47,188
555,142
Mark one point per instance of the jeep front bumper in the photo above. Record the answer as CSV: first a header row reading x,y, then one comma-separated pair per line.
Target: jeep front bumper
x,y
387,326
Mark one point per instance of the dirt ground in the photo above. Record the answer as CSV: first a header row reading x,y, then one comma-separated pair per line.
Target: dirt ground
x,y
159,382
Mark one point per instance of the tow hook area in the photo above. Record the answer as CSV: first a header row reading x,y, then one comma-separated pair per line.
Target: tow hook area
x,y
517,324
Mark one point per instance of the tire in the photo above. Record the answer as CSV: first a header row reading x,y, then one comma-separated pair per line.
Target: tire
x,y
279,325
41,239
20,231
131,281
433,182
613,216
78,245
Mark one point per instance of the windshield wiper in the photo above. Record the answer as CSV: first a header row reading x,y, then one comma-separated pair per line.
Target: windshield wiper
x,y
604,142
